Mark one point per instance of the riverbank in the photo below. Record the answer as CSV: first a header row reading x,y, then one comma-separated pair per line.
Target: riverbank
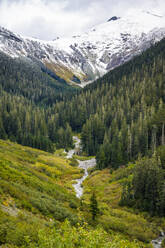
x,y
108,189
37,194
127,221
84,164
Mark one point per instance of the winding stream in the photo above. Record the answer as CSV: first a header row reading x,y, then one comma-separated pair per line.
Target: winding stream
x,y
83,165
77,146
157,243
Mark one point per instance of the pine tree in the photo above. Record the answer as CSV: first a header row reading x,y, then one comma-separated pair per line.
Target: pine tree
x,y
94,206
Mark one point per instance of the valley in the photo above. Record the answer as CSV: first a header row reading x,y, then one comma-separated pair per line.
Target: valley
x,y
82,137
84,164
78,186
38,193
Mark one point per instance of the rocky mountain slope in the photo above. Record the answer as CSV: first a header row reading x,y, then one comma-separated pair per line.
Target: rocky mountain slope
x,y
83,58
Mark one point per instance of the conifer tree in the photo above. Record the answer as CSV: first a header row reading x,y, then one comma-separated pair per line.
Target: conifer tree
x,y
94,206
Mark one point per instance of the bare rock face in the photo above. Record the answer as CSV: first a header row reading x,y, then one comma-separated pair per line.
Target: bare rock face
x,y
82,59
113,18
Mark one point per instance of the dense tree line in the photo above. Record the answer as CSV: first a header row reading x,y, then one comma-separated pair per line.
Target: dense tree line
x,y
116,114
33,81
28,124
147,188
26,94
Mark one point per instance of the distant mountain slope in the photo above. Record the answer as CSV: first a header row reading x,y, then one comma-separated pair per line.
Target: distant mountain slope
x,y
83,58
23,77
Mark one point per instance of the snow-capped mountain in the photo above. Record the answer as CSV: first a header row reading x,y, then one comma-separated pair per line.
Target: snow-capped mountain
x,y
85,57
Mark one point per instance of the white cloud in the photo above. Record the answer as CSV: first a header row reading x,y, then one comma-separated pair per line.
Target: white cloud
x,y
47,19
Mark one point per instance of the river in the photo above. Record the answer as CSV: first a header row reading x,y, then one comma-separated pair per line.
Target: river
x,y
83,165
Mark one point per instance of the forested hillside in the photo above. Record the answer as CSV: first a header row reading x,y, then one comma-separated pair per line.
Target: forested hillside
x,y
122,114
120,119
145,189
23,77
118,115
26,93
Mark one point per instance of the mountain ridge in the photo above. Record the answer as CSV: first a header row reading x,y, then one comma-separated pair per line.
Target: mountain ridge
x,y
83,58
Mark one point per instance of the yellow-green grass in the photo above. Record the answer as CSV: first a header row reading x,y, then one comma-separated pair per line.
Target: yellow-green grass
x,y
63,72
60,153
114,218
35,180
36,194
82,158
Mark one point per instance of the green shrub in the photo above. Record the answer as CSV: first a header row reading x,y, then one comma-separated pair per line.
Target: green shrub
x,y
73,162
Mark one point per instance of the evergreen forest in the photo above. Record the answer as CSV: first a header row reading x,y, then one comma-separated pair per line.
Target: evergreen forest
x,y
121,115
120,119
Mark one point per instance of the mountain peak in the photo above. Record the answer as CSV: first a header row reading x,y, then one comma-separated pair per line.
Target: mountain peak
x,y
91,54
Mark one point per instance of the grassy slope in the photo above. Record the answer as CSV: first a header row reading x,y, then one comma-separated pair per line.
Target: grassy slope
x,y
36,193
24,168
130,222
35,187
64,72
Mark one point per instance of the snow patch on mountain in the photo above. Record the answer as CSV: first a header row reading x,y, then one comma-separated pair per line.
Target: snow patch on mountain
x,y
90,55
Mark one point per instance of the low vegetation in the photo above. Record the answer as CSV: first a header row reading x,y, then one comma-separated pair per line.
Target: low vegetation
x,y
39,209
131,220
35,187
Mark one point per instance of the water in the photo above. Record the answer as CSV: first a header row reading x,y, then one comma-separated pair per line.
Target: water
x,y
83,165
79,189
77,146
157,243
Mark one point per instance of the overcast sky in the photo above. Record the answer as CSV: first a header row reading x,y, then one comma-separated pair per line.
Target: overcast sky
x,y
48,19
